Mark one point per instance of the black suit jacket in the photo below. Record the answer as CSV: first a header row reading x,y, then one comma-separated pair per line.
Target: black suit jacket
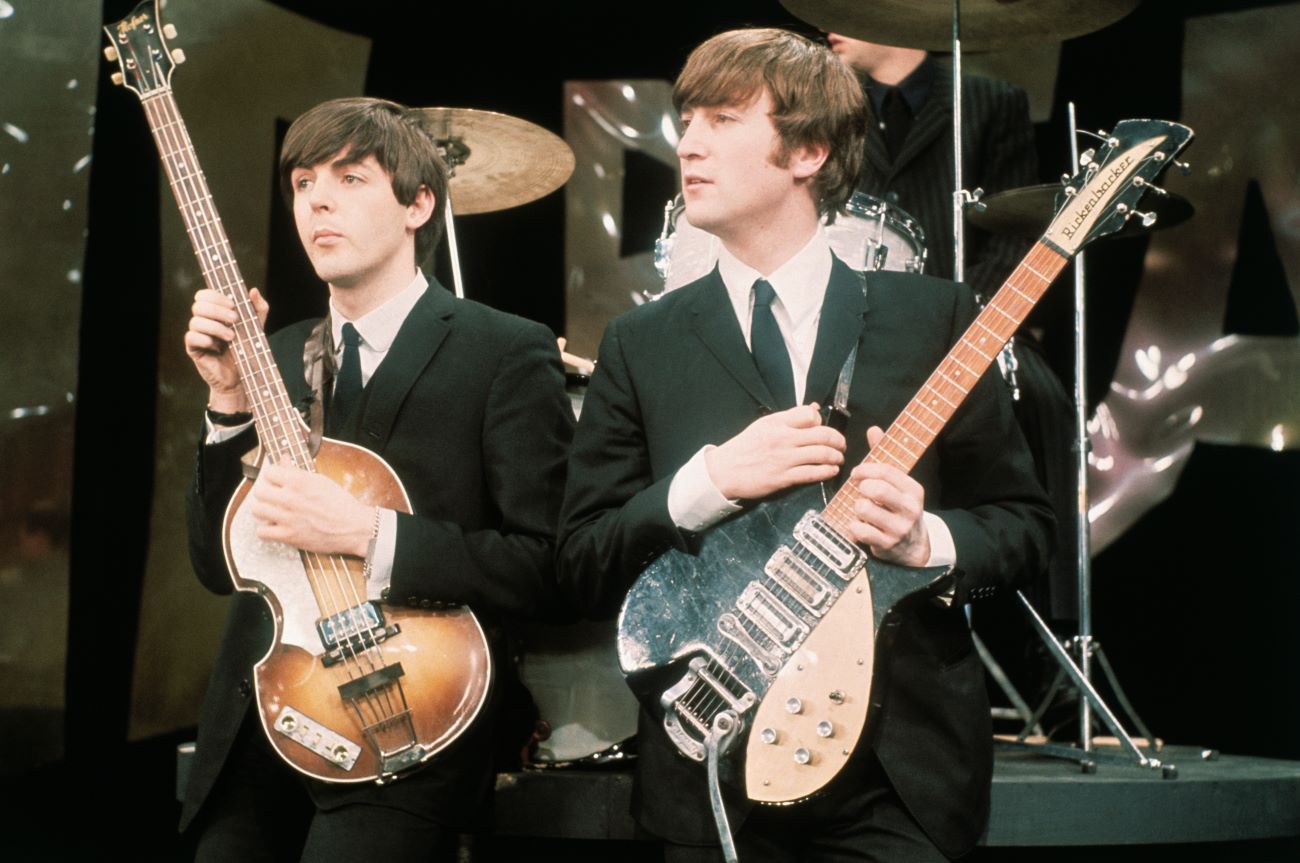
x,y
675,375
998,153
469,409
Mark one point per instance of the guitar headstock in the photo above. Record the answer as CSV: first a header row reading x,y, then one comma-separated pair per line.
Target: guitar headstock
x,y
138,44
1104,194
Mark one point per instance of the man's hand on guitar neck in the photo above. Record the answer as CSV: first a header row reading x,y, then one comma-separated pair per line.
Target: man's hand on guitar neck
x,y
890,513
207,341
311,512
774,452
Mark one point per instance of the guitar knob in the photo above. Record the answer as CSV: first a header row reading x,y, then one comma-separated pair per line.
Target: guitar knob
x,y
825,729
768,735
178,56
802,756
117,78
110,53
169,30
794,705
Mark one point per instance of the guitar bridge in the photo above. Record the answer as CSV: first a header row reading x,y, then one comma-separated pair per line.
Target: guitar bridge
x,y
691,705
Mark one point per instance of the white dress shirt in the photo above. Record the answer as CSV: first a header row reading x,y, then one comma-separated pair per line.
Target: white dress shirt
x,y
377,329
694,502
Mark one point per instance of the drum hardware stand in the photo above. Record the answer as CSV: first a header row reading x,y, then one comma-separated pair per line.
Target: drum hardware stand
x,y
1090,700
1083,645
961,201
454,153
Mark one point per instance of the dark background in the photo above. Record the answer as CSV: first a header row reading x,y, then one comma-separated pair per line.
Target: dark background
x,y
1196,605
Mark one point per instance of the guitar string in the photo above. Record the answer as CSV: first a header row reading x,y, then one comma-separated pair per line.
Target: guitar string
x,y
263,374
382,705
210,244
703,697
839,510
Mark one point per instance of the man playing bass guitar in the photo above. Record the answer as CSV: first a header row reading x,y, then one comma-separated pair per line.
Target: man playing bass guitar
x,y
706,401
466,404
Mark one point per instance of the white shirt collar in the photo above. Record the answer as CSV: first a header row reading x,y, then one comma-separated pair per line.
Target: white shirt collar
x,y
378,327
799,283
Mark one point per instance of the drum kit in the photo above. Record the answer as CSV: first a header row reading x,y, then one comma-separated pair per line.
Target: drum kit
x,y
497,162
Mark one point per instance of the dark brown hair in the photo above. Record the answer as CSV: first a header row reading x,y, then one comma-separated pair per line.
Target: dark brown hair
x,y
816,99
392,133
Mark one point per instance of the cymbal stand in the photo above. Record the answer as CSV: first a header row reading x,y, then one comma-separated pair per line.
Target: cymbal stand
x,y
1090,700
452,251
453,153
1083,644
961,200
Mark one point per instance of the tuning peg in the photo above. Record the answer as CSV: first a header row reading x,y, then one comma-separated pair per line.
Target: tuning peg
x,y
1085,158
1148,219
117,78
1145,184
110,53
169,30
178,56
1183,166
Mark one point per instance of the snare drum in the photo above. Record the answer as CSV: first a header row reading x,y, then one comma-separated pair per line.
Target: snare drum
x,y
869,234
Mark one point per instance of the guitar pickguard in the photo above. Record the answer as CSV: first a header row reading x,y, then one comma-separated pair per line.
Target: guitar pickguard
x,y
279,568
770,594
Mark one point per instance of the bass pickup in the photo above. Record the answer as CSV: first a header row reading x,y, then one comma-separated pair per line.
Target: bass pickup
x,y
353,630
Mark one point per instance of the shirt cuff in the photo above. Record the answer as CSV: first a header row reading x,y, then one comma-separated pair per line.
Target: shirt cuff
x,y
220,434
381,559
694,502
943,551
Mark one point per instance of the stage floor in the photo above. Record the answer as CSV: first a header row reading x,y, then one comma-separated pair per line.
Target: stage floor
x,y
1037,801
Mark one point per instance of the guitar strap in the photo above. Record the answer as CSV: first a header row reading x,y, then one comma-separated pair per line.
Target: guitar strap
x,y
318,368
724,727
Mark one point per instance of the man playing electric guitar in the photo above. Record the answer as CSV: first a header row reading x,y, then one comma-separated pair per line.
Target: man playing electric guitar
x,y
466,404
707,401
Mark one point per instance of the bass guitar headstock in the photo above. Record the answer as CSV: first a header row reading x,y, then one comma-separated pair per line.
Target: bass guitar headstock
x,y
138,44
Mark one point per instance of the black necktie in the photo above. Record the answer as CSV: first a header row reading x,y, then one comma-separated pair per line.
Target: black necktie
x,y
768,347
347,387
895,120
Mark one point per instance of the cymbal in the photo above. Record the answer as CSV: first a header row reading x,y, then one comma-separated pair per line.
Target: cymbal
x,y
986,25
1026,212
497,161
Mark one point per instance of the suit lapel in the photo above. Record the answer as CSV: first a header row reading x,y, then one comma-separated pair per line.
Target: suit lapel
x,y
837,331
877,155
714,323
934,118
419,338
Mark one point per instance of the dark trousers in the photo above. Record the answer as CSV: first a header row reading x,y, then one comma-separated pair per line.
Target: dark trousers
x,y
859,821
261,810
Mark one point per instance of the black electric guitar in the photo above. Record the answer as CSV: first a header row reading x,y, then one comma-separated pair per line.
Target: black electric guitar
x,y
350,691
768,634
